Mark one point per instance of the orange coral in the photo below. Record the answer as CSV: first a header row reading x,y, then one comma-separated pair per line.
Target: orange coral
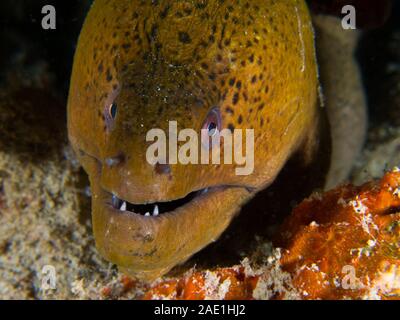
x,y
344,244
222,283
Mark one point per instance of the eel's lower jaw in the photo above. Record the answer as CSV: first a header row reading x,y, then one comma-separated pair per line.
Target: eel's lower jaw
x,y
149,246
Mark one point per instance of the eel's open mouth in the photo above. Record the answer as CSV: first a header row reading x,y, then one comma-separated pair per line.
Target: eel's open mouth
x,y
148,239
157,208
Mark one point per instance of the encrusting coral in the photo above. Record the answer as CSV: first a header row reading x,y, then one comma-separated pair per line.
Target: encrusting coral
x,y
343,244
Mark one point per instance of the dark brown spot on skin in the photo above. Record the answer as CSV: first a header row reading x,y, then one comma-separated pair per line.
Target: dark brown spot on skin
x,y
224,95
188,11
164,13
229,110
109,76
240,119
100,67
184,37
235,98
232,82
251,58
231,127
239,84
204,66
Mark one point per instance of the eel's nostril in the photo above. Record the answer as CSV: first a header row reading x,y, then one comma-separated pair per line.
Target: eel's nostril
x,y
162,168
114,161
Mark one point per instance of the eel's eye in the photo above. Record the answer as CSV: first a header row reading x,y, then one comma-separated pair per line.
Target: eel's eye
x,y
112,110
211,128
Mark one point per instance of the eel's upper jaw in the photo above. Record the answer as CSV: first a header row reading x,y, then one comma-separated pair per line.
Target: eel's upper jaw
x,y
146,245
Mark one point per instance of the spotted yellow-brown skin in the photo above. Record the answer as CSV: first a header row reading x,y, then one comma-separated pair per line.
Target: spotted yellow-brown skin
x,y
163,61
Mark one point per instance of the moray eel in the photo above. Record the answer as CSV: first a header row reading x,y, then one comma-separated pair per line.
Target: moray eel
x,y
140,64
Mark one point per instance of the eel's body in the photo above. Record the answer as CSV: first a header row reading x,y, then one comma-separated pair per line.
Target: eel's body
x,y
140,64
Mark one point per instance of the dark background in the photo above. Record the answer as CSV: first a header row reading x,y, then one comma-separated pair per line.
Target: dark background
x,y
24,43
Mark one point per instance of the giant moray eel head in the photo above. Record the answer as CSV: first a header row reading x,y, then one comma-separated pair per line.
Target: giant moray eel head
x,y
141,64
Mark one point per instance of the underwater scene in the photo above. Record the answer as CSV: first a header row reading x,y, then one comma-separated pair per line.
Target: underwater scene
x,y
200,149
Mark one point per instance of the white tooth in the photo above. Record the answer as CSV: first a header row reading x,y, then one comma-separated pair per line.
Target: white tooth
x,y
123,206
155,211
147,214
